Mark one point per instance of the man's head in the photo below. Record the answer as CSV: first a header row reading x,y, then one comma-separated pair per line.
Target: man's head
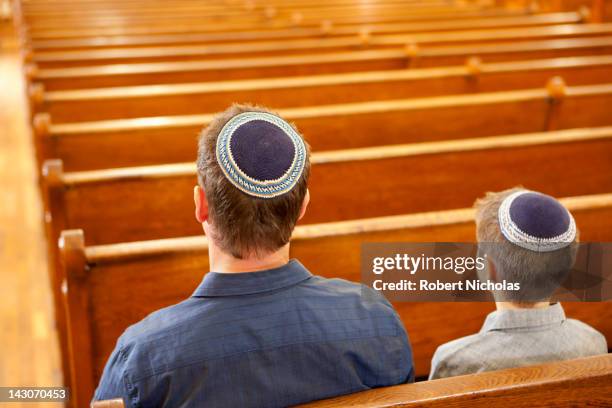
x,y
529,238
253,170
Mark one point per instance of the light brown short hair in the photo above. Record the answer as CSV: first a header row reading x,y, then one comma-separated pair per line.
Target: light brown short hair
x,y
245,225
539,273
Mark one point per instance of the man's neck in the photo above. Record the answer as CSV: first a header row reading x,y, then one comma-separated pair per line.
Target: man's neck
x,y
515,306
223,262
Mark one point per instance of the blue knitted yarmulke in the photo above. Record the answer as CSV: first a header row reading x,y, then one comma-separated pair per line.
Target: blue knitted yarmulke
x,y
261,154
536,221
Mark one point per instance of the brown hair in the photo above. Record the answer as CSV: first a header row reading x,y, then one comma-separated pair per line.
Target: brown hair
x,y
539,273
245,225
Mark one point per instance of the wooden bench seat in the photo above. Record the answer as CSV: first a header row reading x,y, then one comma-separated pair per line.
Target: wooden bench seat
x,y
313,64
580,382
144,141
194,98
362,183
300,46
295,33
111,287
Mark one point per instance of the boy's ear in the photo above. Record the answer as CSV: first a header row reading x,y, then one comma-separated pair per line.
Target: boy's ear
x,y
491,269
201,204
304,204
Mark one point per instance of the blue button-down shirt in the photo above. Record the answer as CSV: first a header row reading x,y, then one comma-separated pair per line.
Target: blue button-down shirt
x,y
260,339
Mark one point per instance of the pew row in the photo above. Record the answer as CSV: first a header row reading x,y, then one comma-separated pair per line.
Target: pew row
x,y
193,98
314,32
113,16
228,11
57,59
309,64
367,182
110,287
172,139
189,24
129,7
580,382
241,18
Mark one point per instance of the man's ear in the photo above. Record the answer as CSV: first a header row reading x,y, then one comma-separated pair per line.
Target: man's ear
x,y
201,204
304,204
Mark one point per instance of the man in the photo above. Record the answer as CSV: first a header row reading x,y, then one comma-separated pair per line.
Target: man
x,y
531,239
260,330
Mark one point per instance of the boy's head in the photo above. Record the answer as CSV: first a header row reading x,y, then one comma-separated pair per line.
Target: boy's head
x,y
253,170
529,238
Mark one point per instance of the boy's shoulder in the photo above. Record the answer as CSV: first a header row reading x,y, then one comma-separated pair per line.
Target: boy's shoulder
x,y
587,336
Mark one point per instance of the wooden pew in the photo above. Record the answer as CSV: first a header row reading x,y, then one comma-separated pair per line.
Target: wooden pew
x,y
163,25
132,55
205,34
580,382
201,9
144,141
66,19
74,14
295,33
369,182
312,64
194,98
93,8
110,287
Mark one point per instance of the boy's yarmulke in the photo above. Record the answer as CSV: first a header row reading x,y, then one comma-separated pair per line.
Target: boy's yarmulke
x,y
261,154
536,221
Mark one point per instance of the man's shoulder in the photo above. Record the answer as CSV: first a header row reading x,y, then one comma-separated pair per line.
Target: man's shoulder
x,y
156,326
358,295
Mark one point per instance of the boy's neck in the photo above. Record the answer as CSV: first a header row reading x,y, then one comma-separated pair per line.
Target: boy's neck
x,y
515,306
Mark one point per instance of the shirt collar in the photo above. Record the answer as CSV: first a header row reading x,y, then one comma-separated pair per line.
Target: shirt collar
x,y
247,283
523,318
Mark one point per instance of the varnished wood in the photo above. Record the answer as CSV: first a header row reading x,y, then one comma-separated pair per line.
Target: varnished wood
x,y
186,24
325,45
239,17
92,145
374,182
29,353
310,64
115,403
194,98
77,302
581,382
316,32
166,272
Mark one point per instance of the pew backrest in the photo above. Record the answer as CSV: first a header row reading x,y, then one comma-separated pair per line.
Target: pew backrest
x,y
325,45
309,64
66,106
376,181
580,382
313,32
